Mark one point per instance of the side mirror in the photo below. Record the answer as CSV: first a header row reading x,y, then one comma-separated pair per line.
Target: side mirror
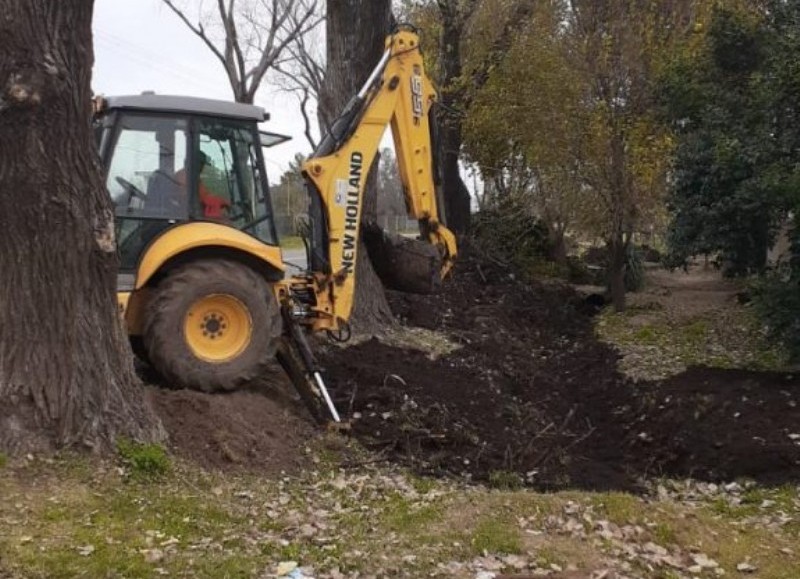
x,y
272,139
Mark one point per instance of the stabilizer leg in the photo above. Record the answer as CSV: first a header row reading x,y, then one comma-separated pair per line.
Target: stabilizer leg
x,y
295,356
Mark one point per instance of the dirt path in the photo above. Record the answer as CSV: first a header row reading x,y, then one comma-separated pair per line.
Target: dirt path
x,y
687,294
683,319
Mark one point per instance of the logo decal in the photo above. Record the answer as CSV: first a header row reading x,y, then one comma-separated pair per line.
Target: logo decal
x,y
351,212
416,94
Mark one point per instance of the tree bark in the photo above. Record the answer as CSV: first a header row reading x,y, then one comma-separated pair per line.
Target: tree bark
x,y
356,31
456,194
66,370
616,272
558,245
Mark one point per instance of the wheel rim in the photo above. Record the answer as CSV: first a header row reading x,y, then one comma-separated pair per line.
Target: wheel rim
x,y
218,328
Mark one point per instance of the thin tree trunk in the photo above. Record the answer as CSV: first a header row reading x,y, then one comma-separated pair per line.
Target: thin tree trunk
x,y
558,245
356,31
616,272
618,194
66,371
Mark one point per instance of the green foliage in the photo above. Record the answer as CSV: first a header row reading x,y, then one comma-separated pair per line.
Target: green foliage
x,y
146,462
505,480
731,105
737,171
510,232
496,536
634,269
776,297
3,459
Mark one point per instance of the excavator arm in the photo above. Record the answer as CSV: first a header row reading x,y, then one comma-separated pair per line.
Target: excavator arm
x,y
398,94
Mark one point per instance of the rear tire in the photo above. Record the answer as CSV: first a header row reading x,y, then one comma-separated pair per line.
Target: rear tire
x,y
212,325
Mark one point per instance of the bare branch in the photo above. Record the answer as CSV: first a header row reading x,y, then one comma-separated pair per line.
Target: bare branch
x,y
198,30
304,102
257,37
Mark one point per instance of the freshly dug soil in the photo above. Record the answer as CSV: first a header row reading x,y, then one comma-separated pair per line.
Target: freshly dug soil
x,y
533,396
244,430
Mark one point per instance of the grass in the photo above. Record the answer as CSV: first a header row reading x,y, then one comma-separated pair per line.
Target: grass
x,y
504,480
492,535
76,516
144,461
659,345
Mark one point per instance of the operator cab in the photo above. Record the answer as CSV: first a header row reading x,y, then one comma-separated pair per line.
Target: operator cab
x,y
171,160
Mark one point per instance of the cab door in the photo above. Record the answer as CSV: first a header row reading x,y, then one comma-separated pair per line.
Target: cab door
x,y
145,156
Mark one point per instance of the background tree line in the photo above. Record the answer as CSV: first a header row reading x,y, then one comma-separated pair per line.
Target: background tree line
x,y
607,119
598,120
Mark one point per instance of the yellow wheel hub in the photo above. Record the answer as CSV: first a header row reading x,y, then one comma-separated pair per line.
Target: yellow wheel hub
x,y
218,328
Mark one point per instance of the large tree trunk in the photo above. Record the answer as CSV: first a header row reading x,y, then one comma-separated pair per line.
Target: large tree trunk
x,y
456,194
66,371
356,31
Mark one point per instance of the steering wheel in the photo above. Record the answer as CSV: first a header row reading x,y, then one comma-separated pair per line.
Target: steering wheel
x,y
131,189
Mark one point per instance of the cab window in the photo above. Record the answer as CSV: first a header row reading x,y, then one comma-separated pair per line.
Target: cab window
x,y
148,153
231,189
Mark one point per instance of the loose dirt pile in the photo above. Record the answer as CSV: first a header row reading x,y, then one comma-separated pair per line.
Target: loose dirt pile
x,y
533,397
249,430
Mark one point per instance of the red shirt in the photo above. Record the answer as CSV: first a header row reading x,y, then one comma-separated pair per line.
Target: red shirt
x,y
213,205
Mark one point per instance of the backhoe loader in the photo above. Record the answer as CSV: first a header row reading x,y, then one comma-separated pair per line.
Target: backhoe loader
x,y
202,286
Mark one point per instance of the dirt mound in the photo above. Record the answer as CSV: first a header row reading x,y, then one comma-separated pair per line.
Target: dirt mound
x,y
246,430
533,394
721,424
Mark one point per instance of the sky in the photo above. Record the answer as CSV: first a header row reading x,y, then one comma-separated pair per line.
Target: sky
x,y
141,45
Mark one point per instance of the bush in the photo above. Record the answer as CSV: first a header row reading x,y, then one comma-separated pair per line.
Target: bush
x,y
505,480
776,298
634,270
144,461
511,233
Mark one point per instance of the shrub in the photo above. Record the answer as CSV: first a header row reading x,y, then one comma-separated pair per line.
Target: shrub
x,y
776,298
505,480
510,232
634,270
144,461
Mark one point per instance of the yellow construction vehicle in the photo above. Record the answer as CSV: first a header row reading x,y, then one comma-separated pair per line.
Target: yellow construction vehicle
x,y
202,284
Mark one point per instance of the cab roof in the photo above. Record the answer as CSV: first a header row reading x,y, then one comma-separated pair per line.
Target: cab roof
x,y
187,105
